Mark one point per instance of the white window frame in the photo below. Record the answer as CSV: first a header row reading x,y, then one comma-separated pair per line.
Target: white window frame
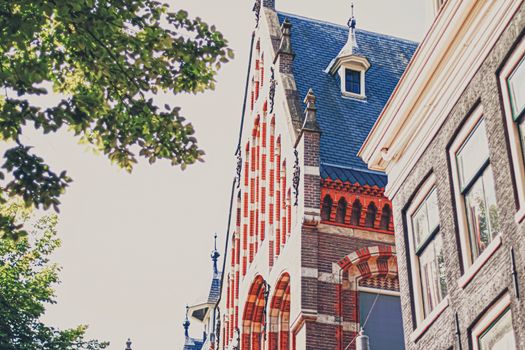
x,y
471,267
422,322
358,66
490,316
518,158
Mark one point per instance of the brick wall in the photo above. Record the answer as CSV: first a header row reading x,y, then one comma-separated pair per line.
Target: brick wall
x,y
494,278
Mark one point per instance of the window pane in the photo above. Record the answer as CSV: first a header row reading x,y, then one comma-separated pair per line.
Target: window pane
x,y
472,155
420,225
353,81
433,211
432,271
517,89
490,197
482,213
500,335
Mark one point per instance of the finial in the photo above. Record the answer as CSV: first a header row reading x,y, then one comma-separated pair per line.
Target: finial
x,y
215,256
128,344
186,323
352,22
310,113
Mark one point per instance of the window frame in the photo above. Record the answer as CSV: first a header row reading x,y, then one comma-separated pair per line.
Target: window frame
x,y
422,322
470,266
353,73
489,319
517,150
356,66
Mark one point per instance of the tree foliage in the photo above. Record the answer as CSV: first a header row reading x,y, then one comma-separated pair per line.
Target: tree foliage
x,y
26,286
107,60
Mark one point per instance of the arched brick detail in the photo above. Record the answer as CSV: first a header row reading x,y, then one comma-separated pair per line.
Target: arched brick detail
x,y
279,312
365,263
378,260
253,318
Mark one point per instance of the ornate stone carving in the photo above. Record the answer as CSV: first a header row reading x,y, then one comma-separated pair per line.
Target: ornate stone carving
x,y
296,177
239,168
273,83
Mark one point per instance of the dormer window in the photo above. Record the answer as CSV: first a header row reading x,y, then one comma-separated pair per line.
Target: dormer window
x,y
352,81
351,66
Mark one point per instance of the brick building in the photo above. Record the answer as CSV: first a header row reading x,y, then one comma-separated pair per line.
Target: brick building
x,y
451,139
310,245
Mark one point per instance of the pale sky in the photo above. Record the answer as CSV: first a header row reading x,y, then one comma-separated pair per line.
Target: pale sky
x,y
136,248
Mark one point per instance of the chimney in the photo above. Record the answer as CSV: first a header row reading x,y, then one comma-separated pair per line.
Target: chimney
x,y
285,54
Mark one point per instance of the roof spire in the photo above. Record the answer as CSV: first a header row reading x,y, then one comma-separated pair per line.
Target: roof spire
x,y
351,43
215,256
186,324
128,344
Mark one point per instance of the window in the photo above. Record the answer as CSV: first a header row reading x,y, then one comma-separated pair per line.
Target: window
x,y
476,185
341,211
356,213
386,216
371,213
326,210
494,330
427,254
353,81
512,83
499,335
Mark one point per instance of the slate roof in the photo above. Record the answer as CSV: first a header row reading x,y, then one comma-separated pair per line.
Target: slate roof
x,y
345,122
215,289
362,177
193,344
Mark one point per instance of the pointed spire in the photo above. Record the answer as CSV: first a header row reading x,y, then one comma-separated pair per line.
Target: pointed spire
x,y
186,324
351,43
215,257
128,344
310,113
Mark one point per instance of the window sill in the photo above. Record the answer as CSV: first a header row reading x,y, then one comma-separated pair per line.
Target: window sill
x,y
520,215
352,95
429,320
480,262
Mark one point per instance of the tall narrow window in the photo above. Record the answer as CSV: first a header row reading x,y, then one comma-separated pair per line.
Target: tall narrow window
x,y
512,83
494,331
386,217
371,213
326,210
353,81
476,184
516,85
341,211
427,253
356,213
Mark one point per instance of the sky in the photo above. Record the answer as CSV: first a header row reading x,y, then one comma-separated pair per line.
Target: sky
x,y
136,248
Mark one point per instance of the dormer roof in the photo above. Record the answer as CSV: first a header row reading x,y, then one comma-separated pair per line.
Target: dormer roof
x,y
345,122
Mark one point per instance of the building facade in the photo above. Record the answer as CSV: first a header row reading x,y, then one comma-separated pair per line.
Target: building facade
x,y
451,139
310,257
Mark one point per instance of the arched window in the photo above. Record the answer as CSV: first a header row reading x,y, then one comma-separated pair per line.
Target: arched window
x,y
341,211
371,213
356,212
385,217
326,210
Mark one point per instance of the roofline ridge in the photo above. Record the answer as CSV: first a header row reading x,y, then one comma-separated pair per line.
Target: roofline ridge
x,y
354,168
342,26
